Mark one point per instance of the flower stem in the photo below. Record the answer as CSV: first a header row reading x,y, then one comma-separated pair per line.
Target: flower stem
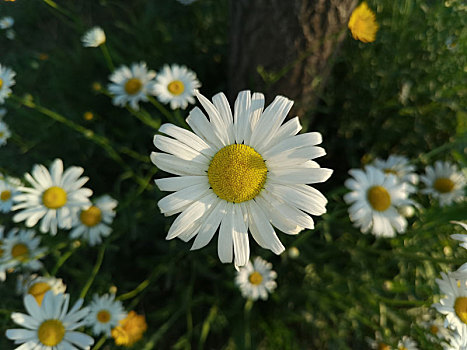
x,y
95,270
247,317
100,343
108,58
170,117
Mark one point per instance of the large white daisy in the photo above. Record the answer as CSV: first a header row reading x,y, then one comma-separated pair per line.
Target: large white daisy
x,y
131,84
38,286
50,326
256,280
4,133
398,166
240,173
56,196
445,182
8,189
93,223
176,85
6,81
375,200
94,37
105,313
454,303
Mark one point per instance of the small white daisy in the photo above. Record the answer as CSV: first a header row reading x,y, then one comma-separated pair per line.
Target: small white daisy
x,y
131,85
454,303
94,37
10,34
256,280
445,182
451,43
37,286
240,173
6,81
457,341
105,313
6,22
8,189
435,329
93,223
398,166
21,249
406,343
50,326
377,343
56,196
4,133
375,200
176,85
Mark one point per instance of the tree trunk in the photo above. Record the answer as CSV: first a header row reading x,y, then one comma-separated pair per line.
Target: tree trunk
x,y
286,47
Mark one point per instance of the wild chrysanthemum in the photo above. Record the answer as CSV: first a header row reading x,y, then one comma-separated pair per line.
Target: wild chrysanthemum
x,y
398,166
240,173
8,189
445,182
406,343
454,303
256,280
50,326
176,85
362,23
131,84
93,223
94,37
6,22
56,196
6,81
105,313
37,286
435,329
4,133
375,200
130,329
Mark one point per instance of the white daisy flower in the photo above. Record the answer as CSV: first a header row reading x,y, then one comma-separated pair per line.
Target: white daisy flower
x,y
445,182
451,43
56,196
8,189
93,223
256,280
176,85
435,329
10,34
457,341
454,304
240,173
105,313
94,37
406,343
131,85
37,286
50,326
4,133
398,166
6,22
377,343
375,200
6,81
461,237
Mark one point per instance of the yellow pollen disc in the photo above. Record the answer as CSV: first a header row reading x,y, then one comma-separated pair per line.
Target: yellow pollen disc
x,y
460,306
379,198
1,83
402,348
54,197
382,346
2,134
237,173
5,195
133,85
91,216
103,316
51,332
38,290
176,87
434,329
255,278
20,252
443,185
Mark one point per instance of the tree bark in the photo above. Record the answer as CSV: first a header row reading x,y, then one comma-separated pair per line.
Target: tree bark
x,y
286,47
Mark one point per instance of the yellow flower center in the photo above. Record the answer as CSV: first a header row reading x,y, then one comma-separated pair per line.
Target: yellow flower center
x,y
1,83
51,332
88,115
38,290
133,85
379,198
2,134
402,347
176,87
460,306
54,197
20,252
103,316
5,195
443,185
91,216
383,346
434,329
237,173
255,278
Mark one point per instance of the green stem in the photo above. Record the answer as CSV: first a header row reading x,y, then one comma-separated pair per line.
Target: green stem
x,y
247,317
100,343
170,117
63,258
206,327
95,270
108,58
145,118
151,344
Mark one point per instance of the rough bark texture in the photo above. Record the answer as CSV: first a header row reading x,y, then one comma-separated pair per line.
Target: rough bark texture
x,y
293,40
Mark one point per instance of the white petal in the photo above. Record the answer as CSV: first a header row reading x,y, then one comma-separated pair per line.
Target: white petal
x,y
225,239
80,339
179,183
182,198
179,149
240,238
202,127
242,109
177,166
210,225
222,105
188,138
303,140
299,176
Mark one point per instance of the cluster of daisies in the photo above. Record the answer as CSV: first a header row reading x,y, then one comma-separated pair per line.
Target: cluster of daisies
x,y
379,194
51,325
